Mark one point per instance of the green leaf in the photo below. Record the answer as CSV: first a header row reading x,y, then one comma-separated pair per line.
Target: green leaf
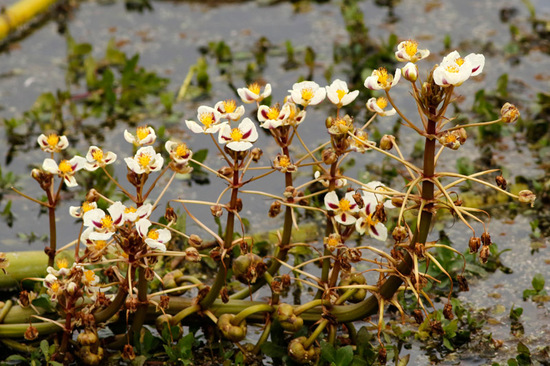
x,y
344,356
538,282
523,349
272,350
328,353
16,358
515,313
447,344
43,301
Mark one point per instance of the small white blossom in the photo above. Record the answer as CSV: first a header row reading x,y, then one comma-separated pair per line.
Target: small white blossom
x,y
343,209
378,105
239,138
339,94
154,238
66,169
407,51
252,93
367,222
209,119
228,109
307,93
52,143
145,161
98,158
144,136
455,70
381,80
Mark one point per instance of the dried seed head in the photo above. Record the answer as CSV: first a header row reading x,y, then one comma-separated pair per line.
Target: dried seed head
x,y
501,182
256,154
509,113
382,355
164,302
462,283
329,156
484,254
462,135
239,205
192,254
195,240
31,333
448,311
216,210
289,193
527,196
226,172
24,300
274,209
276,286
386,143
436,326
224,294
486,238
132,304
170,215
285,279
92,195
358,199
418,316
474,244
380,213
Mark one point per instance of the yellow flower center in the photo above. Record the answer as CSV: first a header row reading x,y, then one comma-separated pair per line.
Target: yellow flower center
x,y
254,88
153,234
382,102
229,106
273,112
370,221
236,134
307,94
341,93
62,263
332,243
181,150
130,210
107,222
459,61
383,76
284,161
411,47
87,206
52,140
450,138
55,286
65,167
142,132
98,155
89,276
144,160
207,119
452,68
100,244
344,204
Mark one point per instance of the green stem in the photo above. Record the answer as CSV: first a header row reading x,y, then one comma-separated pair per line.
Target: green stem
x,y
5,309
262,308
184,313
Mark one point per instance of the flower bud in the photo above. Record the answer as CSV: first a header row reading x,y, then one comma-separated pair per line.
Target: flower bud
x,y
234,333
399,233
462,135
329,156
256,154
239,205
329,121
509,113
386,143
216,210
410,72
527,196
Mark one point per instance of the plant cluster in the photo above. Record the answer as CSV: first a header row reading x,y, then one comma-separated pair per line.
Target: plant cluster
x,y
125,247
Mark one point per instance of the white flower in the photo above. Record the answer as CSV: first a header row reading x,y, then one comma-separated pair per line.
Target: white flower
x,y
79,211
343,209
367,222
380,192
133,214
239,138
228,109
52,143
208,117
381,80
65,169
339,94
63,268
377,105
178,152
272,117
97,158
154,238
89,278
360,141
144,136
101,226
145,161
339,183
408,51
455,70
307,93
252,94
